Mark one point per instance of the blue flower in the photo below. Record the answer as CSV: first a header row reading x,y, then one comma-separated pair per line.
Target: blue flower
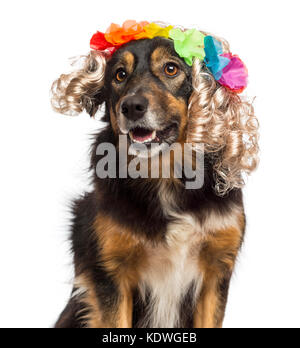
x,y
213,59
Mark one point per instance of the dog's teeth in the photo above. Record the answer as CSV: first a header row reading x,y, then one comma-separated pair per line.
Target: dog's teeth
x,y
131,136
153,137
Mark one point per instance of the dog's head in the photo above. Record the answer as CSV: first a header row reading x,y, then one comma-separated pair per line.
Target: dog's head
x,y
153,96
149,88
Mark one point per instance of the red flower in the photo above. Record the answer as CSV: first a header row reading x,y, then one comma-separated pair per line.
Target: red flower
x,y
99,43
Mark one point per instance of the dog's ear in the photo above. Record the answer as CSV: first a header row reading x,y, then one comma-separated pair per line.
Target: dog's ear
x,y
82,89
227,126
91,103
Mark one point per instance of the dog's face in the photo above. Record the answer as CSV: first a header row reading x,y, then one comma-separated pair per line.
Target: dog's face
x,y
148,88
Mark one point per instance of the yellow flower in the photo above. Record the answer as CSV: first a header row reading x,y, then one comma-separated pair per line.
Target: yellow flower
x,y
153,30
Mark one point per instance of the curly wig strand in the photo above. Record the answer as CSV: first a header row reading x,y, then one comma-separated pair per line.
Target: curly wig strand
x,y
74,92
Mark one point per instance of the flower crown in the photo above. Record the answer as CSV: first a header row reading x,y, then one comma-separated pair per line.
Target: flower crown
x,y
227,69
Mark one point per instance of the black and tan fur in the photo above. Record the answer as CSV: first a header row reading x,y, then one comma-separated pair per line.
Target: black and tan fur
x,y
129,235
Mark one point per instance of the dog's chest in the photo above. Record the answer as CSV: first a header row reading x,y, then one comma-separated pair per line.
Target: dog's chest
x,y
171,274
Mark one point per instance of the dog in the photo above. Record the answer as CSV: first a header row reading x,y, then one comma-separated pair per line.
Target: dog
x,y
148,252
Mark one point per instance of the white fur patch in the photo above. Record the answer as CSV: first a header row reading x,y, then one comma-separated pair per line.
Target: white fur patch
x,y
173,269
80,289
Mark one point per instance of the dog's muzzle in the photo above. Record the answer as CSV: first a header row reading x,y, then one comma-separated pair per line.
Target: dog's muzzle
x,y
142,124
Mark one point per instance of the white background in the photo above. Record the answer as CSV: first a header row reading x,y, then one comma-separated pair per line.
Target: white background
x,y
44,155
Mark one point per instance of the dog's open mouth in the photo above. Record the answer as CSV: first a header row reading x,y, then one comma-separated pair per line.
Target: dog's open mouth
x,y
142,135
146,136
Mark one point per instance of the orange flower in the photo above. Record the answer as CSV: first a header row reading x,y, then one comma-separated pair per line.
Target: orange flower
x,y
130,30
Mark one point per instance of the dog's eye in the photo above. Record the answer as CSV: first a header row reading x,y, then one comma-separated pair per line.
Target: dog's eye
x,y
171,69
121,75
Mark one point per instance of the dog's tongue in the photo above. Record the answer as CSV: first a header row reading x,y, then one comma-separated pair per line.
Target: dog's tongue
x,y
142,134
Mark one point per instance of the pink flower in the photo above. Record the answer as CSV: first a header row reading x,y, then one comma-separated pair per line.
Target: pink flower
x,y
235,74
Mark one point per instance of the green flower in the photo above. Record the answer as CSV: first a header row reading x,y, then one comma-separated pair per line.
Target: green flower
x,y
188,44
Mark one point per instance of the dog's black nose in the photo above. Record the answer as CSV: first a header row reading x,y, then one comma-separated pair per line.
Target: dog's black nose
x,y
134,107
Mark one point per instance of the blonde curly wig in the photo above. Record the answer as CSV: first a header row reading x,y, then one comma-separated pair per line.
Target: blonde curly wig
x,y
226,125
78,91
218,118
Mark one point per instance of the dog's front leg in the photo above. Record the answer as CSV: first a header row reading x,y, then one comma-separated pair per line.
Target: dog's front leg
x,y
124,310
217,259
121,256
211,304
